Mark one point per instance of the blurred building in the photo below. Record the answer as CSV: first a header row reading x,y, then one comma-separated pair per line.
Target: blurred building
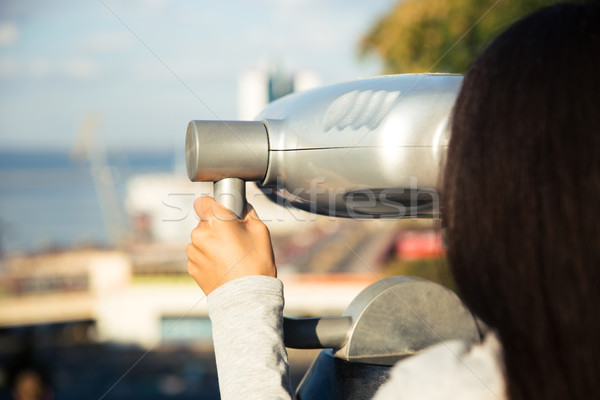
x,y
142,297
259,86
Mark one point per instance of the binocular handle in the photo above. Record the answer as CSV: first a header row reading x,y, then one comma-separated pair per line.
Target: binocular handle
x,y
231,193
316,333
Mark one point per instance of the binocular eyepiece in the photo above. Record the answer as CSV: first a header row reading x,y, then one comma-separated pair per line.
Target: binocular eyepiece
x,y
227,153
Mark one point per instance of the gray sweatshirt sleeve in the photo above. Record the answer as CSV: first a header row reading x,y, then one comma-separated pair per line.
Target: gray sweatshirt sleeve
x,y
449,370
247,318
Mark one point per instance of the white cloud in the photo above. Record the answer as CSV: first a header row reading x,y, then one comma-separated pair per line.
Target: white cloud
x,y
149,71
8,33
141,7
8,67
108,42
81,69
154,4
191,68
39,68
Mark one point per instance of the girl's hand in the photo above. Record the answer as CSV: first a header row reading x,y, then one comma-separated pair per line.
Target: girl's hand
x,y
224,247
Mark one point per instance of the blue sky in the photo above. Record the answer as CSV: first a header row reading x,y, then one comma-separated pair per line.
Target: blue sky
x,y
65,59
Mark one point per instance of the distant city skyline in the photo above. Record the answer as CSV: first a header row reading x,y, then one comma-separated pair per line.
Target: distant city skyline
x,y
145,68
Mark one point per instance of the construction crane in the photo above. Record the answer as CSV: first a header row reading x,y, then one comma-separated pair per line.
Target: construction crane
x,y
89,148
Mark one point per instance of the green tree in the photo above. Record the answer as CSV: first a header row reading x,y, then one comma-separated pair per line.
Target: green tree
x,y
440,35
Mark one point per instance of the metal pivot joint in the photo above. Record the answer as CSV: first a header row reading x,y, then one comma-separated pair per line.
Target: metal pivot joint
x,y
231,192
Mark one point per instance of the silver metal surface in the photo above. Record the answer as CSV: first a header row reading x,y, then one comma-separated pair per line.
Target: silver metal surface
x,y
231,192
215,150
228,153
400,316
367,148
316,333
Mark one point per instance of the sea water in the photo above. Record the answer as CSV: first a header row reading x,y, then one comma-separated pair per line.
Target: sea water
x,y
49,200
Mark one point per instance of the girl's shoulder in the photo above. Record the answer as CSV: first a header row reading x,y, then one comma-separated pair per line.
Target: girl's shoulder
x,y
449,370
